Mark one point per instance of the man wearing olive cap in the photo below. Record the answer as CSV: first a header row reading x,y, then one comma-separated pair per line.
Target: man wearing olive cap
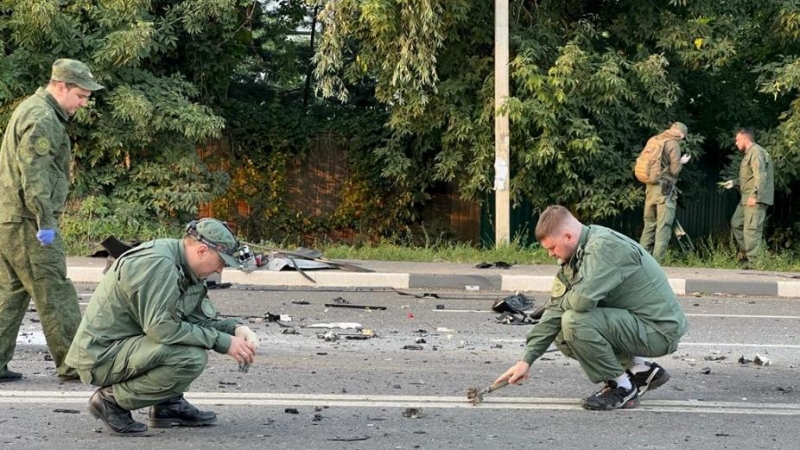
x,y
148,327
34,179
661,197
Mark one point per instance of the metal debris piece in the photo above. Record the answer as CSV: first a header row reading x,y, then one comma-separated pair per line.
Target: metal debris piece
x,y
269,317
743,360
341,325
300,302
290,331
413,413
705,370
761,360
785,389
420,340
413,347
291,411
714,358
329,336
353,439
347,305
244,367
317,418
66,411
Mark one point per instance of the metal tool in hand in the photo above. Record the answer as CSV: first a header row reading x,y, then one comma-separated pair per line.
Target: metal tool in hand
x,y
475,395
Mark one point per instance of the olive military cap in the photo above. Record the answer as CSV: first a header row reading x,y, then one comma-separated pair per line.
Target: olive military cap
x,y
74,72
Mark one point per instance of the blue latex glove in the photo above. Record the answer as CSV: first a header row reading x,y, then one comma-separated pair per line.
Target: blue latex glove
x,y
46,236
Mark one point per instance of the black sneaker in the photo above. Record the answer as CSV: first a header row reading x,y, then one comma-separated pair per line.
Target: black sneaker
x,y
611,397
650,379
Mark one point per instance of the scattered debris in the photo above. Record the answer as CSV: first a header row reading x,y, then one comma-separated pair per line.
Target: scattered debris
x,y
715,358
413,413
300,302
244,367
317,418
277,317
743,360
785,389
420,340
413,347
498,264
761,360
66,411
340,325
48,357
349,439
291,411
440,306
290,331
330,336
517,303
705,370
348,305
227,383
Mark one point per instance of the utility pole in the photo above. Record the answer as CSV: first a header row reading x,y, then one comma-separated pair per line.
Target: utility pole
x,y
502,172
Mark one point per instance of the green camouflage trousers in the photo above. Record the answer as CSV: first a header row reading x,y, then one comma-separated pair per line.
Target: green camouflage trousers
x,y
659,214
605,340
145,372
31,270
748,228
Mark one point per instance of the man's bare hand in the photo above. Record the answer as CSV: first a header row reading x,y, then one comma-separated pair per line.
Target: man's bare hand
x,y
242,351
518,372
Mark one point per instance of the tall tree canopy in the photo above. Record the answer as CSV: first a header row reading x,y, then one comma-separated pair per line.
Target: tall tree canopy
x,y
591,80
164,63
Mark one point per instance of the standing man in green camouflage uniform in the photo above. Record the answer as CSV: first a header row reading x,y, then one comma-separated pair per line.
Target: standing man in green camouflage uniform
x,y
34,179
757,185
148,327
661,197
611,305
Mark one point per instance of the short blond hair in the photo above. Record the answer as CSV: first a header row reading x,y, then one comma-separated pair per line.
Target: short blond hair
x,y
551,221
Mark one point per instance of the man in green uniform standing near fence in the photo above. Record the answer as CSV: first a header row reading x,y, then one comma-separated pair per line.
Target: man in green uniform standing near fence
x,y
661,197
34,180
611,305
757,185
148,327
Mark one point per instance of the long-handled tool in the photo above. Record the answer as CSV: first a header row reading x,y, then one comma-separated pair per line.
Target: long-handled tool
x,y
475,395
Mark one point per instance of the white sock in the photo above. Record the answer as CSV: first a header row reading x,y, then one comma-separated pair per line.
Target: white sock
x,y
639,361
623,381
639,364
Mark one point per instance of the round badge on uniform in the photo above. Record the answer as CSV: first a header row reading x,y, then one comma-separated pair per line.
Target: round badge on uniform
x,y
558,289
208,308
42,146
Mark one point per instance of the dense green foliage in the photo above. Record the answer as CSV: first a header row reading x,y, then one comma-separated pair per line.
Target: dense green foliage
x,y
407,88
591,80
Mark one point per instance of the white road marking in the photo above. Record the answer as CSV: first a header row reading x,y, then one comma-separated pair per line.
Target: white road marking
x,y
695,344
734,316
403,401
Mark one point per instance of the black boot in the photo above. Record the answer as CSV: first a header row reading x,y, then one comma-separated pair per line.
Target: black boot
x,y
10,376
104,406
177,411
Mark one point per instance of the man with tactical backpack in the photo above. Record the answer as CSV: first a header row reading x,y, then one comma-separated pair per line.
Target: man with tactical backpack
x,y
658,166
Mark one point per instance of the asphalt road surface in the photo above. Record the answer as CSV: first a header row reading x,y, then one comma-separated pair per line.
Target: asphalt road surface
x,y
321,388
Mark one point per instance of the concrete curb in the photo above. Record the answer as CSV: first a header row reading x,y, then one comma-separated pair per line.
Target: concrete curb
x,y
471,282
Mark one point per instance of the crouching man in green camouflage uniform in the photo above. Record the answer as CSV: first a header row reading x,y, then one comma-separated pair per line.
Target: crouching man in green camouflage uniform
x,y
611,306
146,332
34,180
